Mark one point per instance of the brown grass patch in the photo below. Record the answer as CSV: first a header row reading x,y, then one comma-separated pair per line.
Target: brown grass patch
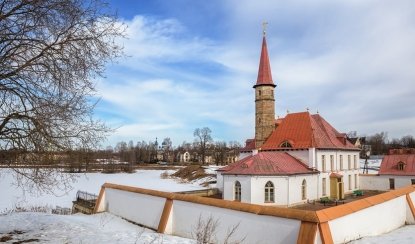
x,y
191,172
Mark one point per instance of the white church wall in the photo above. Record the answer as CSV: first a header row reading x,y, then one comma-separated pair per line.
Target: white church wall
x,y
295,188
280,189
139,208
339,168
243,155
252,227
229,186
300,154
219,181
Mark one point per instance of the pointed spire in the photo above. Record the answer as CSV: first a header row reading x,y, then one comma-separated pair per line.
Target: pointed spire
x,y
264,71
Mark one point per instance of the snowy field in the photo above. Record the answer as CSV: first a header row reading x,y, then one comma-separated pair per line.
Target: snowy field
x,y
106,228
373,165
79,228
11,196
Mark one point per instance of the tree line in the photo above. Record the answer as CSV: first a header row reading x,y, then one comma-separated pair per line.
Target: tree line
x,y
380,143
202,150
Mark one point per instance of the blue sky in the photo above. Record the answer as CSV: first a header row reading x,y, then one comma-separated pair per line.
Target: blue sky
x,y
192,64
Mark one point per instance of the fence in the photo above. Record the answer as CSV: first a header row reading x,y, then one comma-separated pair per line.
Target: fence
x,y
178,214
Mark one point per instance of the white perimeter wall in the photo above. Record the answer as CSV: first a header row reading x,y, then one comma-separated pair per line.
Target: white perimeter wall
x,y
183,218
371,221
254,228
140,208
381,182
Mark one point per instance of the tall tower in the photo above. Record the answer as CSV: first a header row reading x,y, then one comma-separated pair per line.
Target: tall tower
x,y
264,98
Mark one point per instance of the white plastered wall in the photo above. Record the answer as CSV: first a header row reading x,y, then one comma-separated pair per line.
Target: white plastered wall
x,y
371,221
280,189
229,184
252,227
139,208
345,172
219,181
381,182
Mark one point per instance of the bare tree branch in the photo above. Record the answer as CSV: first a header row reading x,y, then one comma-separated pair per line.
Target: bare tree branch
x,y
50,53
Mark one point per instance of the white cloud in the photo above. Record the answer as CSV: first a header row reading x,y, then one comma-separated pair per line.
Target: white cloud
x,y
351,60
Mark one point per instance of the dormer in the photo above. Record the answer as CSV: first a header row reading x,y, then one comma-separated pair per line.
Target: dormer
x,y
286,144
401,166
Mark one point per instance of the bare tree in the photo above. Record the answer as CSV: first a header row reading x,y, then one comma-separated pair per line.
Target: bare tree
x,y
378,143
205,230
50,53
167,147
202,138
220,153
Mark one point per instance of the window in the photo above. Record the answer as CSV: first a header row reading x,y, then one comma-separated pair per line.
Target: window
x,y
332,162
269,192
401,166
304,190
391,183
324,186
237,191
323,163
413,181
259,93
355,181
355,161
349,162
341,162
350,182
286,144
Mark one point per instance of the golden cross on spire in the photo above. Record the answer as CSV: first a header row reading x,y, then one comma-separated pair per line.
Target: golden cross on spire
x,y
264,27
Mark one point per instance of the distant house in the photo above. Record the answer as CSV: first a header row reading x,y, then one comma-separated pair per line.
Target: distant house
x,y
398,168
184,157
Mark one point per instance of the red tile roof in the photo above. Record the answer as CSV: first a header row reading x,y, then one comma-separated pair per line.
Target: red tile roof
x,y
389,165
303,130
264,71
268,163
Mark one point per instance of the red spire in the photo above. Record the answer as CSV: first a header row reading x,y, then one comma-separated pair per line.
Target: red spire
x,y
264,72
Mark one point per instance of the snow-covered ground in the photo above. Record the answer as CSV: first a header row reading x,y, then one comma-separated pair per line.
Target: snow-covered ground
x,y
373,165
79,228
404,235
12,196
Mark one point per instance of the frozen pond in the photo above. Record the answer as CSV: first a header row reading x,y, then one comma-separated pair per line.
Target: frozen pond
x,y
12,196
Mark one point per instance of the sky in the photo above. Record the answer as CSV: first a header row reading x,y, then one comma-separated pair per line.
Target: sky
x,y
192,64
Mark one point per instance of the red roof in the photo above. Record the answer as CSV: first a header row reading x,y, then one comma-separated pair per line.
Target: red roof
x,y
303,130
267,163
264,71
249,146
389,165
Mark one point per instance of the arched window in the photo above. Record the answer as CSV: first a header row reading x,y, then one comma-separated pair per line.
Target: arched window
x,y
286,144
237,191
304,190
269,192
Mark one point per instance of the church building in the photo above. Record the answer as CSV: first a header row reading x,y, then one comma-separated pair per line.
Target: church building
x,y
291,160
